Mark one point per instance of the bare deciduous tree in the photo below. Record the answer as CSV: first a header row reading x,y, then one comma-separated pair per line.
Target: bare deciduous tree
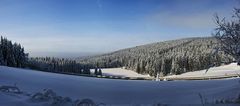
x,y
228,34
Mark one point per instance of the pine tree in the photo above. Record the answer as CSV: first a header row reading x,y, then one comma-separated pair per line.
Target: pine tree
x,y
99,72
96,71
1,57
12,54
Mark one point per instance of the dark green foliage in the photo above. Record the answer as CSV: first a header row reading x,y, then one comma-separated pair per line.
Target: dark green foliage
x,y
169,57
99,72
96,71
12,54
86,71
62,65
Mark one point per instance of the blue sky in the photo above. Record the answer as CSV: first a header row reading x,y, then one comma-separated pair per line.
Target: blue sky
x,y
76,27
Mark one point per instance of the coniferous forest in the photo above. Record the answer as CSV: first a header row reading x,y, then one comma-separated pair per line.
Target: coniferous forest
x,y
169,57
164,58
12,54
60,65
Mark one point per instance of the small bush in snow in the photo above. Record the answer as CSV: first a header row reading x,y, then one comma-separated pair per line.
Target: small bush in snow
x,y
84,102
229,101
47,95
12,89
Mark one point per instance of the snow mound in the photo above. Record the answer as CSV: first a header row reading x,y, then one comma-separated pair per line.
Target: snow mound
x,y
13,89
47,97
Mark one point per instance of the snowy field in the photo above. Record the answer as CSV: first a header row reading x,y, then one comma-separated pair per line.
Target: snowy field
x,y
225,70
115,92
120,72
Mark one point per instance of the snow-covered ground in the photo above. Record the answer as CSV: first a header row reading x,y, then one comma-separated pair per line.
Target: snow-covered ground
x,y
225,70
121,72
113,91
221,71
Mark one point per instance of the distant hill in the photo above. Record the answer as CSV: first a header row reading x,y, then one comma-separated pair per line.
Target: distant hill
x,y
166,58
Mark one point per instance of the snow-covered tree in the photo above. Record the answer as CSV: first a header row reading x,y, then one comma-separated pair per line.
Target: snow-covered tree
x,y
60,65
169,57
228,34
12,54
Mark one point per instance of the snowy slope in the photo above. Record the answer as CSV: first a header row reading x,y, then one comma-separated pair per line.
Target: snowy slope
x,y
117,92
225,70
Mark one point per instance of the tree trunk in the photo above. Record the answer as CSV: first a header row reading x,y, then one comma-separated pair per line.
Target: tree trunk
x,y
238,61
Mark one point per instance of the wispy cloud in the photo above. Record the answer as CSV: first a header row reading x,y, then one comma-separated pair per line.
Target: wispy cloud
x,y
183,20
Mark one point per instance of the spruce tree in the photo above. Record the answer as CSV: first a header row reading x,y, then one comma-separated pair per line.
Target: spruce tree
x,y
100,72
96,71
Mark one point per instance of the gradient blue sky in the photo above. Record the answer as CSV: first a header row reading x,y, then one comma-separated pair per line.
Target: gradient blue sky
x,y
76,27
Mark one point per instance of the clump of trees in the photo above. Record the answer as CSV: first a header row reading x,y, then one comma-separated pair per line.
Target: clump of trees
x,y
228,34
98,71
12,54
52,64
60,65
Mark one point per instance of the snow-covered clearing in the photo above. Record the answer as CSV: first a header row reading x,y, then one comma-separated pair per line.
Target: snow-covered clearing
x,y
225,70
113,91
121,72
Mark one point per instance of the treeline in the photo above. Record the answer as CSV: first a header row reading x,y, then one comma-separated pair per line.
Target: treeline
x,y
165,58
12,54
61,65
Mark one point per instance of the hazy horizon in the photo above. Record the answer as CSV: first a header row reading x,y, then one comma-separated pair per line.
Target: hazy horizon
x,y
76,28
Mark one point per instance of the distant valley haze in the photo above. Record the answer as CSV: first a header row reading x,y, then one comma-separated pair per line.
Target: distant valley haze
x,y
76,28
